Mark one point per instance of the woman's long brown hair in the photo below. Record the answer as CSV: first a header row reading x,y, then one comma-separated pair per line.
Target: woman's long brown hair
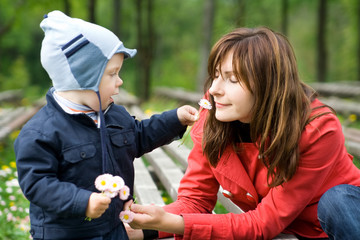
x,y
265,62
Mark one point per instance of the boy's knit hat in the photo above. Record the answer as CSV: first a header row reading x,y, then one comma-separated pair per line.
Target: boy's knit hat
x,y
75,52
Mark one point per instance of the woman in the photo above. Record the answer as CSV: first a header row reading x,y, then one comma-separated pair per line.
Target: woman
x,y
268,141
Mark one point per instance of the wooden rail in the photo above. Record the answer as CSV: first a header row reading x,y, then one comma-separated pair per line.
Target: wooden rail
x,y
11,95
339,89
13,118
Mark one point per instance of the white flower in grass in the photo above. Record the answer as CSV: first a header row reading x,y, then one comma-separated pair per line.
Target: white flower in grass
x,y
126,216
204,103
124,193
116,184
103,182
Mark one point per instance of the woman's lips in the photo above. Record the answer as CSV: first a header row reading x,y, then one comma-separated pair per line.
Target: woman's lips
x,y
220,105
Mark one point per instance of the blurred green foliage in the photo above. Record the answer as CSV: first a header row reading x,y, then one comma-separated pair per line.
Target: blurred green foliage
x,y
178,25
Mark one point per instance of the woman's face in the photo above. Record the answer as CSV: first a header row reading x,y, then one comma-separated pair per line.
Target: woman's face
x,y
233,101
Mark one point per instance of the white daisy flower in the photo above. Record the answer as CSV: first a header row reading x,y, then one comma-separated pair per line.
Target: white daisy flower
x,y
204,103
126,216
103,182
124,193
116,184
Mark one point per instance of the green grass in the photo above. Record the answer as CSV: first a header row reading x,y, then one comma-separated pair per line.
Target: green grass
x,y
14,207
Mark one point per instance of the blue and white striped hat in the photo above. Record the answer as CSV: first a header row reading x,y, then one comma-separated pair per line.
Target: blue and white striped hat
x,y
75,52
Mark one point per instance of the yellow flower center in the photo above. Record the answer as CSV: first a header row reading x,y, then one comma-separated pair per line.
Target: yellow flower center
x,y
103,182
126,217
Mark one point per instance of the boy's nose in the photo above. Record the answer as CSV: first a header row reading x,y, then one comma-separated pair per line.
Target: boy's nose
x,y
119,82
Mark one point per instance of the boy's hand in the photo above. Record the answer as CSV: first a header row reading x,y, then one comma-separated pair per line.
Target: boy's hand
x,y
187,115
98,203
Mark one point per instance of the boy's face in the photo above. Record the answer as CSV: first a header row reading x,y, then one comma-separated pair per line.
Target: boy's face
x,y
110,82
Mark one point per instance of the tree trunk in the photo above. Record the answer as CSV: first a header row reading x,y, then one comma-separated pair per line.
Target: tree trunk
x,y
67,7
240,13
284,16
91,9
208,22
322,55
145,45
116,17
148,50
139,78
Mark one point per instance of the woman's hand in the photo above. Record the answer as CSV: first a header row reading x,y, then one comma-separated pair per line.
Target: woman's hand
x,y
155,217
134,234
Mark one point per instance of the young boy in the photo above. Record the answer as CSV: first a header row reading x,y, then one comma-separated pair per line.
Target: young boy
x,y
80,134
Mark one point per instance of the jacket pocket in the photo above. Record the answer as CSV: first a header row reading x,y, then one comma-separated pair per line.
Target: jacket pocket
x,y
124,150
79,153
123,139
80,165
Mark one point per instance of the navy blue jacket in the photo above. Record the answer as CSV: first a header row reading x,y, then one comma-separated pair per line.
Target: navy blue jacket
x,y
58,157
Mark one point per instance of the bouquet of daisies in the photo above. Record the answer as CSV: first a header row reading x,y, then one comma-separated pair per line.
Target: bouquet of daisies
x,y
113,186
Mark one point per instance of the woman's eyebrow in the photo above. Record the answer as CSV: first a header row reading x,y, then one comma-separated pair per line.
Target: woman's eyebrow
x,y
227,72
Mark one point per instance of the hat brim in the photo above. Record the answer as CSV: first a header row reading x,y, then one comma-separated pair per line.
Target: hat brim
x,y
128,53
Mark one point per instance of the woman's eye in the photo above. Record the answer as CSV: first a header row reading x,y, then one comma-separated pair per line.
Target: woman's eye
x,y
231,79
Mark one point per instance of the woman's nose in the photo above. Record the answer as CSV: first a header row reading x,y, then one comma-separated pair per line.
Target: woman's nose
x,y
215,88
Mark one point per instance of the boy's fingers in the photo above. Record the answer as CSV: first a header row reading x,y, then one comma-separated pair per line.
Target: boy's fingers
x,y
192,110
105,200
